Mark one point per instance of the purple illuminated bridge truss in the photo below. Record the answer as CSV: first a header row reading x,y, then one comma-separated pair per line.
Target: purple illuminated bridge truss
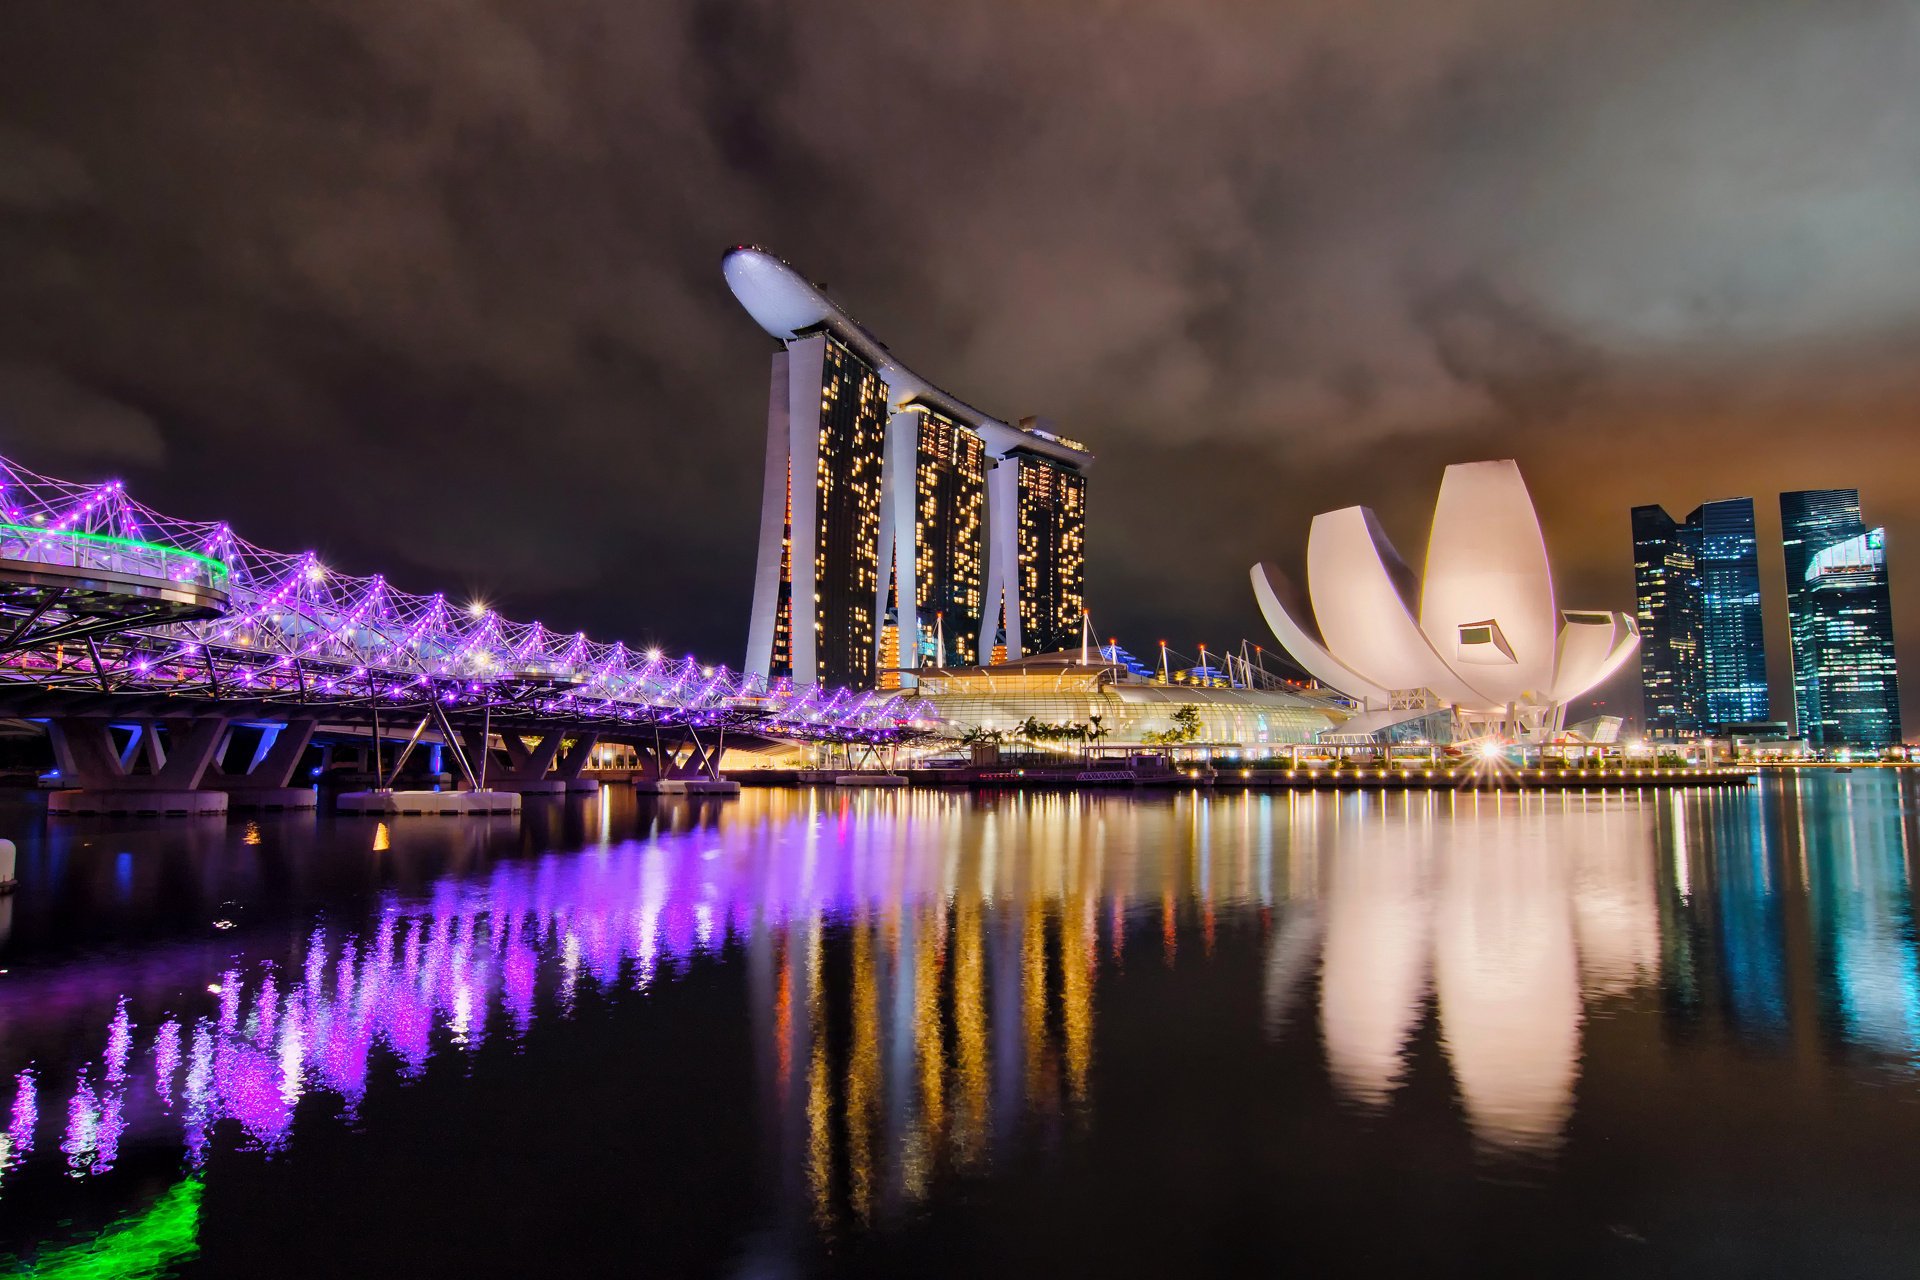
x,y
100,594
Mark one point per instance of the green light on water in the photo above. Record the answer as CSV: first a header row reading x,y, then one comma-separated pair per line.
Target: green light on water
x,y
147,1246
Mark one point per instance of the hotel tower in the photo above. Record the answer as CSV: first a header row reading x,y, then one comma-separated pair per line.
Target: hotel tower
x,y
901,528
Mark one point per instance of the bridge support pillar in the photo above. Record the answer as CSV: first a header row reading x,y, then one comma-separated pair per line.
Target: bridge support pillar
x,y
689,766
527,772
106,778
268,780
574,761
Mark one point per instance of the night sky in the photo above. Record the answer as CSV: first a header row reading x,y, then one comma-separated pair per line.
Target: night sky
x,y
433,285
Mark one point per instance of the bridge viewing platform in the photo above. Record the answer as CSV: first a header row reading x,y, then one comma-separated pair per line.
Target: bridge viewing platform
x,y
179,667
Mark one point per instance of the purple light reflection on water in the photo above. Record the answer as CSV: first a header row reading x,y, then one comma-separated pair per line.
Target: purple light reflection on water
x,y
166,1060
258,1043
25,1117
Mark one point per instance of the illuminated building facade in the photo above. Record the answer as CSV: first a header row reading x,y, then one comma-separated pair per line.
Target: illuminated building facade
x,y
1058,689
1479,633
1052,529
820,529
949,546
1846,686
1703,658
1667,589
1733,634
926,532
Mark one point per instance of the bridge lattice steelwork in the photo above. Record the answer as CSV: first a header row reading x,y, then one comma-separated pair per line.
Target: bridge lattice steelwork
x,y
102,594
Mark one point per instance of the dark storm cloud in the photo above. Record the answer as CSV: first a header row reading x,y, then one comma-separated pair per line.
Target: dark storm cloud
x,y
434,285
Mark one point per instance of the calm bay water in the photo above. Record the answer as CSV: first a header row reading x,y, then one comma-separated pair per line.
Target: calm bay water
x,y
930,1034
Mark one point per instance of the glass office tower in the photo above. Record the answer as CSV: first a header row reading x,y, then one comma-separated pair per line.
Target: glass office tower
x,y
1703,656
1732,631
1846,687
1667,590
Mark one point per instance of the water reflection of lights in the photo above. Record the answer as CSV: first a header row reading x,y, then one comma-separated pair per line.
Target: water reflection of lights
x,y
1504,908
923,976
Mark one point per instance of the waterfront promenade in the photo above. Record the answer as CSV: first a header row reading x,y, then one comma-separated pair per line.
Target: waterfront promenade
x,y
1077,776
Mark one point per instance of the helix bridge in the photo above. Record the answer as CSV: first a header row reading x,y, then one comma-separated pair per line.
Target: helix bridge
x,y
108,607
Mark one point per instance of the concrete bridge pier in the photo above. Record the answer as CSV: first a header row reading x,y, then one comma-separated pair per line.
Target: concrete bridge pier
x,y
689,767
573,763
267,782
532,770
108,778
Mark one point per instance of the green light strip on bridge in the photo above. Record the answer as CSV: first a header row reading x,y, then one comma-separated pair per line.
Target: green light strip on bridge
x,y
220,570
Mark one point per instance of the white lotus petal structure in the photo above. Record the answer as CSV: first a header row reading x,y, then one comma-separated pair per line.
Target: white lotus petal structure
x,y
1483,636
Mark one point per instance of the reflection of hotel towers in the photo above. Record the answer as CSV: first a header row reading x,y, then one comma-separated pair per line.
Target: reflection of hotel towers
x,y
1470,904
917,1006
931,1022
900,526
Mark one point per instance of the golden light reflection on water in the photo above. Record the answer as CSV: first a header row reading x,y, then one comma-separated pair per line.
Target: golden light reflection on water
x,y
936,982
971,973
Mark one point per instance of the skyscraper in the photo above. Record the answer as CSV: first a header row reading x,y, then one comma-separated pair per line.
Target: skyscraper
x,y
1846,687
940,625
923,531
826,426
1052,560
1733,641
1703,658
1667,589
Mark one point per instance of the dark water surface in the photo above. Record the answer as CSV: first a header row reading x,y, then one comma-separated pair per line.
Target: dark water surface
x,y
927,1034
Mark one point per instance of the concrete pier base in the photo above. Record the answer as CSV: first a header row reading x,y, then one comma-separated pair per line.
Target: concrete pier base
x,y
273,798
453,804
869,780
92,800
582,786
687,787
529,786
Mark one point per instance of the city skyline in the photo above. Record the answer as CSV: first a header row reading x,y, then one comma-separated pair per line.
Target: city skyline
x,y
1301,283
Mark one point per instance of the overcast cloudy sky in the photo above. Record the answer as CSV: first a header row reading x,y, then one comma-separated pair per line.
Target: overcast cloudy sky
x,y
434,285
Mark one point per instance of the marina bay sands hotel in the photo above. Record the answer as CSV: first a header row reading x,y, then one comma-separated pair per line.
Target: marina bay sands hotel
x,y
901,528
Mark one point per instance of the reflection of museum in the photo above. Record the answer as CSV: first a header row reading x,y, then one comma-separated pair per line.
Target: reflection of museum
x,y
1464,907
923,972
941,1010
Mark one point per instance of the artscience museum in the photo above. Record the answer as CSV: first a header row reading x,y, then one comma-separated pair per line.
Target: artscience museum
x,y
1478,633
